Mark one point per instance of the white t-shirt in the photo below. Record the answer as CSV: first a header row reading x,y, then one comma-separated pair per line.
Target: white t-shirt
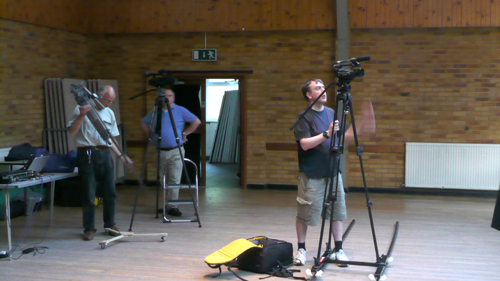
x,y
88,135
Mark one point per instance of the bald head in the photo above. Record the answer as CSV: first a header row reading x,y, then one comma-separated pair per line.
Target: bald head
x,y
106,95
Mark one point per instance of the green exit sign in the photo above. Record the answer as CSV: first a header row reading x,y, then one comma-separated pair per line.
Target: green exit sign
x,y
205,55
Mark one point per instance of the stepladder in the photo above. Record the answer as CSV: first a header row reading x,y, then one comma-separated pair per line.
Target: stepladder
x,y
192,200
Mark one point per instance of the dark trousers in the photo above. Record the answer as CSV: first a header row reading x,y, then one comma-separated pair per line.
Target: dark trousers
x,y
495,223
98,173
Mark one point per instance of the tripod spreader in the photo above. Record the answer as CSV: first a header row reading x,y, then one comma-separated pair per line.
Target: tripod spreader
x,y
337,150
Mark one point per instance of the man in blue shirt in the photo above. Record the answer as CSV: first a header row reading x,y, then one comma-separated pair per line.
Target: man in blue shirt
x,y
316,167
170,159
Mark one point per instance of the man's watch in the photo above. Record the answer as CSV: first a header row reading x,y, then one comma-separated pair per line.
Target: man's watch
x,y
325,134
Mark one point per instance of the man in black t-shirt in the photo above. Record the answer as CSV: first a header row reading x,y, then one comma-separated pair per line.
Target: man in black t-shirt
x,y
316,166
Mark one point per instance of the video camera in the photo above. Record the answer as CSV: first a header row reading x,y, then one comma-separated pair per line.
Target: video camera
x,y
161,79
350,74
345,75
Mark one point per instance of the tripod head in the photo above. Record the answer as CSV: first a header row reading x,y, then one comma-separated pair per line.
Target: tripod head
x,y
161,79
345,75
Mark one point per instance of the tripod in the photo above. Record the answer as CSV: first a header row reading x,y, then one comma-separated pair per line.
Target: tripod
x,y
344,106
330,196
156,126
84,99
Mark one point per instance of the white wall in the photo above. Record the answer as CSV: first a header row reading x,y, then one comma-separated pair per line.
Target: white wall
x,y
214,95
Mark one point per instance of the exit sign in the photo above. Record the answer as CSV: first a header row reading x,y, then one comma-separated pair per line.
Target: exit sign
x,y
205,55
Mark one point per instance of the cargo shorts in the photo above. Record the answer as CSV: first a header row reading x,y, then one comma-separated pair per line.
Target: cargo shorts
x,y
310,199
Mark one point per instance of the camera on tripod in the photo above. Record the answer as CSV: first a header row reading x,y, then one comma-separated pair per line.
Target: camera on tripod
x,y
346,75
161,79
350,74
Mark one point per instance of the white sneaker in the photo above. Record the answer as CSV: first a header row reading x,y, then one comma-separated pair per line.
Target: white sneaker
x,y
300,257
339,256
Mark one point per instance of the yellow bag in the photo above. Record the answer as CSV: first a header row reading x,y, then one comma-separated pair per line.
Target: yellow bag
x,y
228,252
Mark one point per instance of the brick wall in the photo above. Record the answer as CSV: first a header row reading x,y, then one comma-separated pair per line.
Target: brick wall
x,y
281,62
29,54
427,85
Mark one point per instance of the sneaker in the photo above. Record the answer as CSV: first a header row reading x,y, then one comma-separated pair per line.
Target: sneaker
x,y
339,256
300,257
88,235
114,233
174,212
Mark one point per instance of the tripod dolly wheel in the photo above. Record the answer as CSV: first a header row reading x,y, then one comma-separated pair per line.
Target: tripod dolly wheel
x,y
372,277
317,274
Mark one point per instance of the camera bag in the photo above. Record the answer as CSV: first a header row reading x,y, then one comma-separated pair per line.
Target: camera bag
x,y
257,254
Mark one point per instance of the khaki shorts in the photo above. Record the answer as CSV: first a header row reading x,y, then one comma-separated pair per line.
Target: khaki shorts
x,y
310,200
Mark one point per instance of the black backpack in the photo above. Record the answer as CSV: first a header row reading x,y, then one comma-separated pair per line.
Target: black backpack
x,y
267,256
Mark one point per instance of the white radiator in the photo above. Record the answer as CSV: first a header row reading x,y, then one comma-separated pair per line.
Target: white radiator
x,y
454,166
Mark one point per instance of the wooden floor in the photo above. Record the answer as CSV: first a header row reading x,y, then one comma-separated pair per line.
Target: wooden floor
x,y
440,238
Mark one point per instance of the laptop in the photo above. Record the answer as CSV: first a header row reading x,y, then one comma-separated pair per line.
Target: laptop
x,y
36,164
32,168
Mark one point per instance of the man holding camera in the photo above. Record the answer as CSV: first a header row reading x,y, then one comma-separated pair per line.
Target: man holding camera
x,y
316,167
94,163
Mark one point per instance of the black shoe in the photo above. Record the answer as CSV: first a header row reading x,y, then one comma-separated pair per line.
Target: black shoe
x,y
88,235
174,212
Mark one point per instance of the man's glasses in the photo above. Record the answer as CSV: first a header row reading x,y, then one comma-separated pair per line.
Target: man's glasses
x,y
108,101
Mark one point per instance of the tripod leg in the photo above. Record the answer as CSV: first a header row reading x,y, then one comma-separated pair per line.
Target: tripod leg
x,y
386,259
141,184
330,197
359,152
144,165
158,180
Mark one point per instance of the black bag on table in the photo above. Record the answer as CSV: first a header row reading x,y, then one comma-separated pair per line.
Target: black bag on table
x,y
61,163
24,152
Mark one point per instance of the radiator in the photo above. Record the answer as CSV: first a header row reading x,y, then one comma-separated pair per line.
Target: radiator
x,y
454,166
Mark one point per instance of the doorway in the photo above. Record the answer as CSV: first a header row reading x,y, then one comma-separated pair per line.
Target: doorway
x,y
222,133
211,96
